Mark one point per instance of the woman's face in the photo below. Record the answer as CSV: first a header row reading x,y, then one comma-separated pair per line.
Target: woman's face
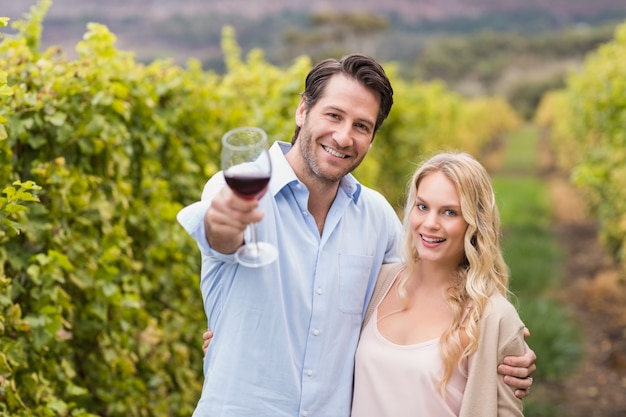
x,y
437,222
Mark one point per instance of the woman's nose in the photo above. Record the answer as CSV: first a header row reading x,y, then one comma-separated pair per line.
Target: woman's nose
x,y
432,220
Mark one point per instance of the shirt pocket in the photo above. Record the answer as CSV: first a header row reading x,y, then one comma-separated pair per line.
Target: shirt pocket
x,y
354,274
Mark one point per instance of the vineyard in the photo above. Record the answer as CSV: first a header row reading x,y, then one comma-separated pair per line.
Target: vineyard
x,y
586,124
100,312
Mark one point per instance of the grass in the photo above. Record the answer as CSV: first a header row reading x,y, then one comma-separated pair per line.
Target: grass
x,y
522,151
534,258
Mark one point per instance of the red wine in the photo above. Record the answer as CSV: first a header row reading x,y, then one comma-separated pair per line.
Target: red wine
x,y
248,185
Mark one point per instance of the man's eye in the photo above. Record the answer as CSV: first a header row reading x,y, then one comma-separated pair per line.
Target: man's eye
x,y
363,127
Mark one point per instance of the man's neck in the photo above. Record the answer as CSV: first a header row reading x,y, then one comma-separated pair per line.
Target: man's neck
x,y
320,200
321,193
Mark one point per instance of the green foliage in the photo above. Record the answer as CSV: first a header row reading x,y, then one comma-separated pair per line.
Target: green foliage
x,y
100,297
498,61
103,311
335,33
526,96
591,121
99,300
521,155
601,108
428,117
532,254
11,205
30,28
554,116
450,58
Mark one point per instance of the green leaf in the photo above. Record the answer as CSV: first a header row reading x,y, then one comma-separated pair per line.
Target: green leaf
x,y
57,119
5,368
58,405
5,90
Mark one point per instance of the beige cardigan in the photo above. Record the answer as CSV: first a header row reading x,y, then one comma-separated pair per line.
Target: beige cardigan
x,y
501,334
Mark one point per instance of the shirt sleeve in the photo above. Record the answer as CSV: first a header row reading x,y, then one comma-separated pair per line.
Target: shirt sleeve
x,y
394,227
191,217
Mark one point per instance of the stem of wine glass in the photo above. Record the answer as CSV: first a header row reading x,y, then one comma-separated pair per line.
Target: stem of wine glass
x,y
253,241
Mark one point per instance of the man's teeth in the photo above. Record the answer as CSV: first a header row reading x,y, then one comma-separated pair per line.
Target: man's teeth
x,y
432,240
334,152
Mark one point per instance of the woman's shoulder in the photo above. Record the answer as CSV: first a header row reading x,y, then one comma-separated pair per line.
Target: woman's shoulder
x,y
500,312
502,326
500,306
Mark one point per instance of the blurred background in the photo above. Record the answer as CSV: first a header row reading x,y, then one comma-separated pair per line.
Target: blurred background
x,y
110,118
513,48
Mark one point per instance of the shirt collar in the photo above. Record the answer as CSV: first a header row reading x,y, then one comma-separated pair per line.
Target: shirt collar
x,y
283,174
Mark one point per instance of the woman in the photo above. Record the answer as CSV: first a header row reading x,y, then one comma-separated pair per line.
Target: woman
x,y
433,343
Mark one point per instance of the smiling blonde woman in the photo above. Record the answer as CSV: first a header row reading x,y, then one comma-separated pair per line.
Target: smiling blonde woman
x,y
444,323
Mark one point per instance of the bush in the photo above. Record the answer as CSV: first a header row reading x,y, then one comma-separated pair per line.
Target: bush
x,y
100,304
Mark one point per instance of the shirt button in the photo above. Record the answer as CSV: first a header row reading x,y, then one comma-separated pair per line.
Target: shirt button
x,y
316,332
319,291
305,413
309,372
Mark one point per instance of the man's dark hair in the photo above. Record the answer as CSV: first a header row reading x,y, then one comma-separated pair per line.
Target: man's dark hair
x,y
363,69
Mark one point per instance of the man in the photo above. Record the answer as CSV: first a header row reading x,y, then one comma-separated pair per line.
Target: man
x,y
286,333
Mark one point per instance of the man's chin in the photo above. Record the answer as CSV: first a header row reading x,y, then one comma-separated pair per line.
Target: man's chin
x,y
335,174
329,177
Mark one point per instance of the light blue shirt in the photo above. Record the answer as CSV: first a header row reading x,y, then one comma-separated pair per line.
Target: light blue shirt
x,y
286,333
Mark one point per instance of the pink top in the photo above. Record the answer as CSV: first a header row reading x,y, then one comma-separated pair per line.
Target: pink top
x,y
402,380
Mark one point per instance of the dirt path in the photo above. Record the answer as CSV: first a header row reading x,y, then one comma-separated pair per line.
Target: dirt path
x,y
591,287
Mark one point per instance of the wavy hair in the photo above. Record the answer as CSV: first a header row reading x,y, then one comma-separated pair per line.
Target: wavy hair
x,y
482,272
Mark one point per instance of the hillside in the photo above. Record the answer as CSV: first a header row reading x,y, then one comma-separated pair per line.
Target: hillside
x,y
409,10
183,28
191,28
509,47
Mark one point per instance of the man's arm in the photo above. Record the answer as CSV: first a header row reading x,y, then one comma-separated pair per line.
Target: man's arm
x,y
518,370
227,218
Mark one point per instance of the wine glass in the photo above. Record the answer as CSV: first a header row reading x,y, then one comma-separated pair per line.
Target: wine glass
x,y
247,169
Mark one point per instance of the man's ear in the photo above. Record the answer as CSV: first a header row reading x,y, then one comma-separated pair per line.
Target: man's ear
x,y
301,112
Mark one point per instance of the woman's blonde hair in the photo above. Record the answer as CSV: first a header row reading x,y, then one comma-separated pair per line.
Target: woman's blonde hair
x,y
482,272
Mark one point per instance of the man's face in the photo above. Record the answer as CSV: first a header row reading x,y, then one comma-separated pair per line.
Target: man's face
x,y
337,132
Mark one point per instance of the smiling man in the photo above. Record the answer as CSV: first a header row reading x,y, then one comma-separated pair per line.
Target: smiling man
x,y
286,333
